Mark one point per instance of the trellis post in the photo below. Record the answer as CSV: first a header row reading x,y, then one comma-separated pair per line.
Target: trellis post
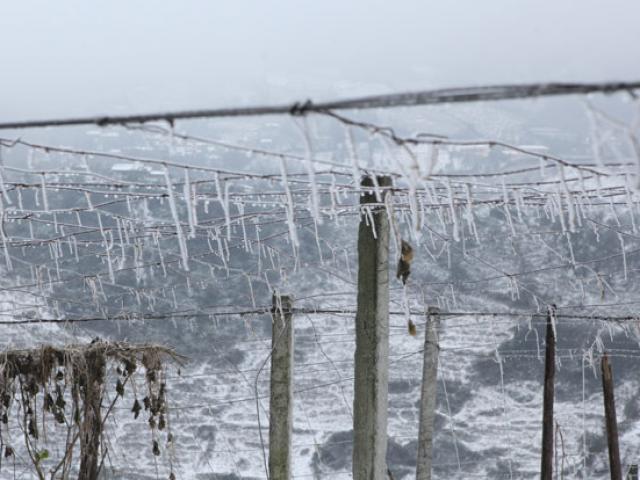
x,y
428,396
610,416
281,401
371,383
546,468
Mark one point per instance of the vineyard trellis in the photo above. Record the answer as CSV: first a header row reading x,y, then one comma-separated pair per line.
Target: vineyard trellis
x,y
131,228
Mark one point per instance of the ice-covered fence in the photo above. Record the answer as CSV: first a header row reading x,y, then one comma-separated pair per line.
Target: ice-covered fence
x,y
182,231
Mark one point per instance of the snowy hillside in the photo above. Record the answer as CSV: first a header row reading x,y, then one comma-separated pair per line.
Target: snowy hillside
x,y
151,234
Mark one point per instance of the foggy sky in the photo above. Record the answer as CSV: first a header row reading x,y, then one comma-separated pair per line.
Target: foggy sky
x,y
72,57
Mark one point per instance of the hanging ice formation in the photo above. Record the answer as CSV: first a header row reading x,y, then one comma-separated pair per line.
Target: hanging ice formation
x,y
223,199
182,242
291,224
311,170
191,204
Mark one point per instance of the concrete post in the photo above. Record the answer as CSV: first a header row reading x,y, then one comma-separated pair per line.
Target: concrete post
x,y
372,340
281,403
428,396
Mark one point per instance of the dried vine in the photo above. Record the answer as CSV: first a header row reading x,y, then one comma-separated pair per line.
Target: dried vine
x,y
64,388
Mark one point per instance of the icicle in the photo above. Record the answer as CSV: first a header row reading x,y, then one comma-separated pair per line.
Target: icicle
x,y
175,299
223,198
123,253
412,179
315,229
515,288
376,188
635,146
55,260
333,196
209,238
454,217
311,171
624,255
563,225
433,159
45,200
471,221
355,163
259,245
221,252
5,245
582,185
107,249
156,236
289,207
454,301
628,196
615,213
245,239
5,194
370,222
253,298
571,255
517,196
19,192
89,203
395,230
189,288
75,249
188,198
182,243
507,212
570,209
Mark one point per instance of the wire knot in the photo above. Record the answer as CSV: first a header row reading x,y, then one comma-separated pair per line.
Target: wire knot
x,y
300,109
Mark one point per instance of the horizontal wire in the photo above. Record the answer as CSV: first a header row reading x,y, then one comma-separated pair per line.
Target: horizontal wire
x,y
317,311
428,97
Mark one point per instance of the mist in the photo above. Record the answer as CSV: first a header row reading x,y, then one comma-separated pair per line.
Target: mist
x,y
74,57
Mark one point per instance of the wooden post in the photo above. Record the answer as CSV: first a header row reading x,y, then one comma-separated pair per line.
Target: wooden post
x,y
91,425
546,468
632,474
281,402
610,417
428,396
371,383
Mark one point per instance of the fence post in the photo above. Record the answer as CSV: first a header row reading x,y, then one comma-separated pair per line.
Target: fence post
x,y
632,474
546,468
371,382
281,401
428,396
610,416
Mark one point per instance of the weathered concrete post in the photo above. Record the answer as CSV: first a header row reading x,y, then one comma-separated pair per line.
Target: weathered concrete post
x,y
546,467
372,339
281,402
615,468
428,396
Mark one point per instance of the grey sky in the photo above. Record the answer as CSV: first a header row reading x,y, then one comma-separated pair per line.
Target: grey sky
x,y
80,57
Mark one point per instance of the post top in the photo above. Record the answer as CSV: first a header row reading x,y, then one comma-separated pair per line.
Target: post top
x,y
383,181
